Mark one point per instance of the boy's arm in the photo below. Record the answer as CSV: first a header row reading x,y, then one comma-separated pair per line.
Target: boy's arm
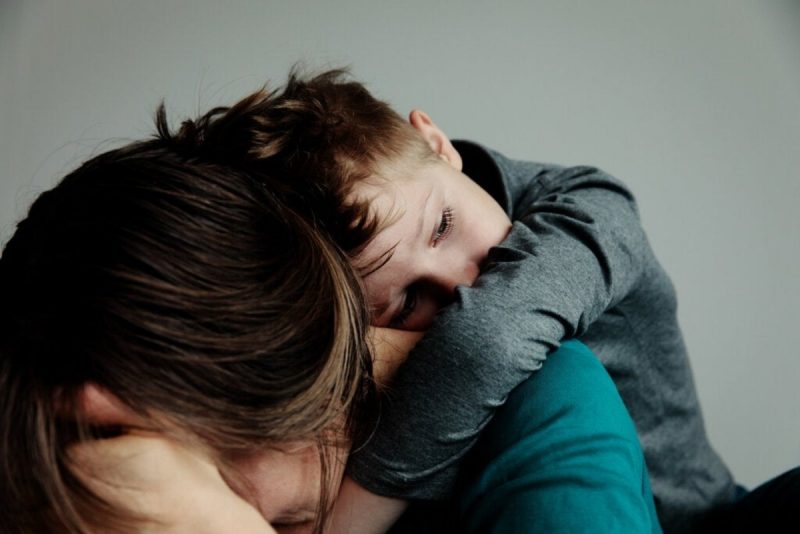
x,y
576,249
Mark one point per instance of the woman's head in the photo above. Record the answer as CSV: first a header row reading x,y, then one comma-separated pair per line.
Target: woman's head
x,y
167,272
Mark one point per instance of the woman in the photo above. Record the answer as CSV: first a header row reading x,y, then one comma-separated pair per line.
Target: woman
x,y
176,281
193,305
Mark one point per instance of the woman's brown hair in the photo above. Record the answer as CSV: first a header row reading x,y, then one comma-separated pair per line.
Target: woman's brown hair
x,y
174,273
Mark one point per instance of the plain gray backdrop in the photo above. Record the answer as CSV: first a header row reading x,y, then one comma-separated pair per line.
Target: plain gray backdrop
x,y
694,103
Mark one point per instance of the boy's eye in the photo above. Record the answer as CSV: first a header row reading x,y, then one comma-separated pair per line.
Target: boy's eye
x,y
445,225
410,302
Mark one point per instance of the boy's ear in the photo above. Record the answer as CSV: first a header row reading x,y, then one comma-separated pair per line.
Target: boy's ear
x,y
436,138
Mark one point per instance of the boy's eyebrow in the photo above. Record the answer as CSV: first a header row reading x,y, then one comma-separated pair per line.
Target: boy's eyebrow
x,y
381,308
421,224
376,265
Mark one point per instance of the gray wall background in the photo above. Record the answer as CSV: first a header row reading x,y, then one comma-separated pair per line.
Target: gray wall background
x,y
694,103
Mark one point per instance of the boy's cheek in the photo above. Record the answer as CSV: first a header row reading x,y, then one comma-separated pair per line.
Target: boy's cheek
x,y
425,313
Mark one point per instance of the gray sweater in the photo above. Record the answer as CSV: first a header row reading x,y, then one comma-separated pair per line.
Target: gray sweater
x,y
576,264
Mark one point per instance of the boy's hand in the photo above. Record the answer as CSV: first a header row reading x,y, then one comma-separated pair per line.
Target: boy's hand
x,y
390,348
173,488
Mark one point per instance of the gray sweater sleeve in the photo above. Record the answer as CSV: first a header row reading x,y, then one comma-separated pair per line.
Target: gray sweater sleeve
x,y
574,251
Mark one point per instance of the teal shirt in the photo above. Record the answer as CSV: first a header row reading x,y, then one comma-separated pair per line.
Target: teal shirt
x,y
561,455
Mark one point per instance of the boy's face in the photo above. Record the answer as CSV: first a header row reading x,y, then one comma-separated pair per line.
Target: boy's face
x,y
442,227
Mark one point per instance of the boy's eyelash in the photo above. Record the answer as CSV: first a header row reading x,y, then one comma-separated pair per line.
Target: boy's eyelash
x,y
409,304
445,225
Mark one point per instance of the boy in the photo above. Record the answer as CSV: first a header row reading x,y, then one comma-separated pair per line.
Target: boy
x,y
575,263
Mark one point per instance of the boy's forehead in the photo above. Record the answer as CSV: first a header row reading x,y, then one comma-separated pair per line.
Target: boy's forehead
x,y
400,211
394,198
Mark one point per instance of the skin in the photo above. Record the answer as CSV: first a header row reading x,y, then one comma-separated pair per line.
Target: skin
x,y
179,486
443,225
285,483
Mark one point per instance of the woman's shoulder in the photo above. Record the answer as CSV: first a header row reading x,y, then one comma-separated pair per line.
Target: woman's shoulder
x,y
561,435
572,393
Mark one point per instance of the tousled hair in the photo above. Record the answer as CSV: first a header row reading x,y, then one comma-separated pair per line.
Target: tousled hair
x,y
319,136
186,275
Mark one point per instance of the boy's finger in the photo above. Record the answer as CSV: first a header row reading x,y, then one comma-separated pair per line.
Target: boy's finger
x,y
390,348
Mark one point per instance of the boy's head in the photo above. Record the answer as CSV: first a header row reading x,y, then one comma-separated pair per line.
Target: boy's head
x,y
438,226
389,191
